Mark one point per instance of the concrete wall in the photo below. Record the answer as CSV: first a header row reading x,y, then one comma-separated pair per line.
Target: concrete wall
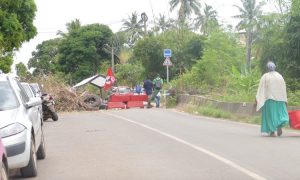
x,y
236,108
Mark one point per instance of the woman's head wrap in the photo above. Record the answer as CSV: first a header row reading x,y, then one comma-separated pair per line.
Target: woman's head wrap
x,y
271,66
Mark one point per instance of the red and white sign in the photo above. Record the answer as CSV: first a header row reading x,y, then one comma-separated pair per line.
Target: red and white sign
x,y
167,62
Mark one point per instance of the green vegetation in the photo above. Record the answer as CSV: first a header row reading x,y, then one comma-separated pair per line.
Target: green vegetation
x,y
208,58
16,27
214,112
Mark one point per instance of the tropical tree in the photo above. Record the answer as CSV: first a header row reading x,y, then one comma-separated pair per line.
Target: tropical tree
x,y
81,52
249,16
163,23
133,26
16,27
71,26
22,71
206,21
44,60
186,8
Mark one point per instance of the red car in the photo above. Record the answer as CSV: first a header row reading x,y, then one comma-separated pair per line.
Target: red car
x,y
4,175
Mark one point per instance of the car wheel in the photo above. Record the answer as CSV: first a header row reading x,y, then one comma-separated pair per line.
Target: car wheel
x,y
4,173
41,152
31,169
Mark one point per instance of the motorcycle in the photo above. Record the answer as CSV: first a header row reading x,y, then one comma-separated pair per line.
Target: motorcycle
x,y
48,107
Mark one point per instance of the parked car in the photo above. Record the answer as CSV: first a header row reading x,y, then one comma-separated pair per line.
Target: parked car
x,y
37,89
121,90
20,127
31,92
4,175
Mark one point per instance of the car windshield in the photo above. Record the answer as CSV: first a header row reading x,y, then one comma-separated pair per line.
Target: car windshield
x,y
8,99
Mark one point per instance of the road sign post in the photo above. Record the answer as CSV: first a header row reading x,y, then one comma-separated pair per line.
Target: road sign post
x,y
167,63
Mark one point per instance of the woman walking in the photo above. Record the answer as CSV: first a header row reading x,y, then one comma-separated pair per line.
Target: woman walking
x,y
271,99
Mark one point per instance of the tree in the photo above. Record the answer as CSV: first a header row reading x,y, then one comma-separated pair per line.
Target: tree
x,y
249,16
22,71
207,21
163,24
81,52
133,27
149,52
44,60
71,26
129,74
186,8
16,27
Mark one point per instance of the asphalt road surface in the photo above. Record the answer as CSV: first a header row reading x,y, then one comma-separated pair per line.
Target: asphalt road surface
x,y
150,144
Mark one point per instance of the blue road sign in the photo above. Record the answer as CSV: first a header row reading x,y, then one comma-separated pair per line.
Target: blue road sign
x,y
167,53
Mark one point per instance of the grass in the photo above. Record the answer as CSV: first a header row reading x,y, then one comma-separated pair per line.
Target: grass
x,y
214,112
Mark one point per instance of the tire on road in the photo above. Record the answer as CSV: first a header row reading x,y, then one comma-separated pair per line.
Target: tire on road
x,y
92,100
41,152
31,169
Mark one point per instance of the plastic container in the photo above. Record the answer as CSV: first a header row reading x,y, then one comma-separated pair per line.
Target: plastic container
x,y
294,119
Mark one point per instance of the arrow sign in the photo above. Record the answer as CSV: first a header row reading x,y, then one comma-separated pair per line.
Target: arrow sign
x,y
167,62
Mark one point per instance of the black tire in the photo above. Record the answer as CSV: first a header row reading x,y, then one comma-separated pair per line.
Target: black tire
x,y
4,172
92,100
31,169
54,116
41,152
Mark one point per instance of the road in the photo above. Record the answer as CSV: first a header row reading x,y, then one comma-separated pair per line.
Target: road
x,y
140,144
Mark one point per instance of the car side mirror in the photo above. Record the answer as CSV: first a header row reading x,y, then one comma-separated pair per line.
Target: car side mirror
x,y
35,101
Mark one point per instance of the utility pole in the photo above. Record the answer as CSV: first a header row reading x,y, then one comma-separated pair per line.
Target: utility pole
x,y
112,59
145,19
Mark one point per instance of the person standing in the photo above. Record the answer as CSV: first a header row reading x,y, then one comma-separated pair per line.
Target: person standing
x,y
271,99
148,86
157,83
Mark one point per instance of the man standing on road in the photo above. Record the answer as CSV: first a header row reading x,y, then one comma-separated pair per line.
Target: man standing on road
x,y
271,98
148,86
157,83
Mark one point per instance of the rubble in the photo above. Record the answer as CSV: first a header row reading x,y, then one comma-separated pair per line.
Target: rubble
x,y
65,97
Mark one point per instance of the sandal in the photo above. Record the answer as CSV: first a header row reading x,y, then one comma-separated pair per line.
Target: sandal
x,y
279,132
272,134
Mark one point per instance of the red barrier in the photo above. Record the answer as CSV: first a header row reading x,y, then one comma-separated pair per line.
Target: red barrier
x,y
120,98
140,97
126,101
294,119
111,105
133,104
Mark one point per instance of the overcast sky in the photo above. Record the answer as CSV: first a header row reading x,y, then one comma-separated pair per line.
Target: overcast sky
x,y
53,16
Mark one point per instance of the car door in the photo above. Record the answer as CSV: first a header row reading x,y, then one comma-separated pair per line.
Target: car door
x,y
35,112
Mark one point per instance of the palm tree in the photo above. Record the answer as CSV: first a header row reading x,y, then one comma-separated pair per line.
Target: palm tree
x,y
187,7
134,27
163,24
249,16
71,26
207,21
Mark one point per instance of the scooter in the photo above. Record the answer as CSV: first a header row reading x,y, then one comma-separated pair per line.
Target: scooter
x,y
48,107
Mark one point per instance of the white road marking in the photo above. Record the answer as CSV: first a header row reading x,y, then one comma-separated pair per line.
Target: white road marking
x,y
205,151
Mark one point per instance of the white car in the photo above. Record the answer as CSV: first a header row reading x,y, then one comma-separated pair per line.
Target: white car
x,y
20,127
30,91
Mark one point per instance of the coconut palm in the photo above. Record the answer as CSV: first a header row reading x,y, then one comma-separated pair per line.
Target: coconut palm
x,y
163,23
249,16
206,21
186,8
133,27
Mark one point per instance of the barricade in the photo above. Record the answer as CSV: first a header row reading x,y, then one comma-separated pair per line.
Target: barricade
x,y
127,101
